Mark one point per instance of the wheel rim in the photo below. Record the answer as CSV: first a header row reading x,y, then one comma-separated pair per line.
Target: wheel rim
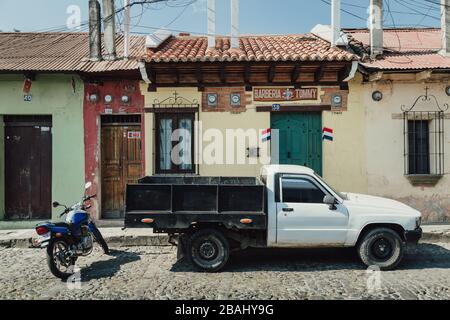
x,y
61,257
208,250
382,249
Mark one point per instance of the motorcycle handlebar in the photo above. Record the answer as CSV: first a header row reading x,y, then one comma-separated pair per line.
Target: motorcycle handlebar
x,y
85,199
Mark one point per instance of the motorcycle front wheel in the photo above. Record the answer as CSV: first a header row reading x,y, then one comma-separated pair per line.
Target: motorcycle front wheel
x,y
59,259
101,241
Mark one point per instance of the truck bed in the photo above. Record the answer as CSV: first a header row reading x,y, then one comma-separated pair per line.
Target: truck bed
x,y
175,203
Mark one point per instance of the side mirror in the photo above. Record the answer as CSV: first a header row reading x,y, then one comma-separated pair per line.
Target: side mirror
x,y
55,204
331,201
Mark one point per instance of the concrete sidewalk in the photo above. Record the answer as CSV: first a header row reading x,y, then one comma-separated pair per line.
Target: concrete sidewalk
x,y
145,237
115,237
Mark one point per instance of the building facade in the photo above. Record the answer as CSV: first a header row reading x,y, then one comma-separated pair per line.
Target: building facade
x,y
404,95
227,99
51,129
41,136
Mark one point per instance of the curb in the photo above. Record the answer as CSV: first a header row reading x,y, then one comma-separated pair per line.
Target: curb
x,y
115,241
436,237
163,240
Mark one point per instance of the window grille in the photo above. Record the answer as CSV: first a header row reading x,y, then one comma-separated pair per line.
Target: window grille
x,y
424,139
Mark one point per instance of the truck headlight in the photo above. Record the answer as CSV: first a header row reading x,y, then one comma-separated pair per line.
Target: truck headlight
x,y
418,222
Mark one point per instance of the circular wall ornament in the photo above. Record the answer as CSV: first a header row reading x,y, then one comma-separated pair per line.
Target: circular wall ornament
x,y
212,99
108,98
235,99
377,96
125,99
93,98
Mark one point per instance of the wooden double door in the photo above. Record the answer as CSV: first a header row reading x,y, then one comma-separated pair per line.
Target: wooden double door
x,y
121,150
28,167
300,140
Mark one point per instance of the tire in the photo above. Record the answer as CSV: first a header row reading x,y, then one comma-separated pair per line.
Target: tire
x,y
208,250
101,241
68,265
381,247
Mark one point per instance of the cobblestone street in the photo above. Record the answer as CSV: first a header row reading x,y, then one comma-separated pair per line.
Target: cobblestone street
x,y
153,273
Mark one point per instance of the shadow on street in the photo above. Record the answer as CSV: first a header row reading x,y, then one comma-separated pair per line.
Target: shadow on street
x,y
424,256
108,268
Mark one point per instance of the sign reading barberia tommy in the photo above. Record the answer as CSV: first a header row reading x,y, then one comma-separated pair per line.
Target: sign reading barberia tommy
x,y
280,94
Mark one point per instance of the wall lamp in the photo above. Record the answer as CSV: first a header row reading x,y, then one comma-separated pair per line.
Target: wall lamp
x,y
126,99
93,98
447,91
377,96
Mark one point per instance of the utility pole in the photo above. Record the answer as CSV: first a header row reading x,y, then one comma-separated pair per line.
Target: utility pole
x,y
376,28
126,31
235,24
211,23
335,22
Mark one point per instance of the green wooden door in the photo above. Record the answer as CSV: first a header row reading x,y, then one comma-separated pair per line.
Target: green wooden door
x,y
300,138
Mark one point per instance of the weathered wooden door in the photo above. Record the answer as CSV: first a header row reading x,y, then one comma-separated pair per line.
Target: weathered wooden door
x,y
121,164
300,138
28,167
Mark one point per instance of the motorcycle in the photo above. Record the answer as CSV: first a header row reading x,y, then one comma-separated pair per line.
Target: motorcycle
x,y
67,241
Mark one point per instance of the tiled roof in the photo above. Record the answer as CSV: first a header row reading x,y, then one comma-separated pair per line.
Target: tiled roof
x,y
404,49
251,48
61,52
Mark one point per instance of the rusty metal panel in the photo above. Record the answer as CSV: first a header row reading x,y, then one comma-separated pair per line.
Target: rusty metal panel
x,y
61,51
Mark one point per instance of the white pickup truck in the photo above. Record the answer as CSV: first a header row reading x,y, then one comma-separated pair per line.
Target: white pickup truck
x,y
287,207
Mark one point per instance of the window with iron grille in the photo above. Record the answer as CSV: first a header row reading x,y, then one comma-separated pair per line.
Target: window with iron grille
x,y
424,143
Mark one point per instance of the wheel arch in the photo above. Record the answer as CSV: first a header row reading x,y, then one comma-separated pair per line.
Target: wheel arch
x,y
371,226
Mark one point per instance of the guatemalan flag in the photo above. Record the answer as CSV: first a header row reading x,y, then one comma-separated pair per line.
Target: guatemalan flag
x,y
328,134
266,135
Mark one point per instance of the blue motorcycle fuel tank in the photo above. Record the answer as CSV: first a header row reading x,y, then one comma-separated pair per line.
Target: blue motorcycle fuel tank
x,y
77,218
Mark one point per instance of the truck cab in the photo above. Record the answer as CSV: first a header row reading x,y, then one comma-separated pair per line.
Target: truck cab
x,y
286,207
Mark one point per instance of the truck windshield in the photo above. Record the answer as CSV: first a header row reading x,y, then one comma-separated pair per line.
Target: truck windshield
x,y
341,195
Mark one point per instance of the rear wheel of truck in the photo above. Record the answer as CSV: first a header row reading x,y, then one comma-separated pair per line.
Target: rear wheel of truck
x,y
382,248
208,250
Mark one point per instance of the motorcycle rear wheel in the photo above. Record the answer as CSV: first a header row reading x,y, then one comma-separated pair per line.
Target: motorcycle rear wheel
x,y
60,263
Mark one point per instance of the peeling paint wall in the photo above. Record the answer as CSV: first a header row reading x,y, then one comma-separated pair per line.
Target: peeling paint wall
x,y
92,126
60,96
2,169
385,145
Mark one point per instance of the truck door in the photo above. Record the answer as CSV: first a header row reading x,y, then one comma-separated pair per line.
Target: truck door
x,y
302,217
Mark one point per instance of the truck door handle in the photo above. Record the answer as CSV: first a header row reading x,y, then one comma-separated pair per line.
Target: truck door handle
x,y
289,155
288,210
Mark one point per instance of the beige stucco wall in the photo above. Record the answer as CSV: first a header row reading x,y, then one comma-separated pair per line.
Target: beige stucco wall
x,y
344,159
337,168
384,142
208,120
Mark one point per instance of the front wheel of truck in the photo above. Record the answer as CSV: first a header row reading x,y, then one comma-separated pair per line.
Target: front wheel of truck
x,y
382,248
208,250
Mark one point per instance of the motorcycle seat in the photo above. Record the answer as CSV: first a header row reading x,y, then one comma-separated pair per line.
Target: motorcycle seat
x,y
62,225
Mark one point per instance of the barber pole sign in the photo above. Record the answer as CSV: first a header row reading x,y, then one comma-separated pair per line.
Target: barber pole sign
x,y
266,135
328,134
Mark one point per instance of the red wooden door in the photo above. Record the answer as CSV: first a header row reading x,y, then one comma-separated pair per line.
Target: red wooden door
x,y
121,165
28,168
